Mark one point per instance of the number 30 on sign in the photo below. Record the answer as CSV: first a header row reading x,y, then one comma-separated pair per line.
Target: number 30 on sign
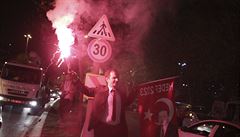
x,y
99,50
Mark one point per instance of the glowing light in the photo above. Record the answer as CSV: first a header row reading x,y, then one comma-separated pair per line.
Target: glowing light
x,y
65,41
33,103
62,16
28,36
184,64
64,35
85,36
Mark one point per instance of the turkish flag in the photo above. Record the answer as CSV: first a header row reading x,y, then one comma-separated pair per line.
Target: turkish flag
x,y
155,96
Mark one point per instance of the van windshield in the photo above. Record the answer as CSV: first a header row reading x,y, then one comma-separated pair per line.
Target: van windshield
x,y
21,74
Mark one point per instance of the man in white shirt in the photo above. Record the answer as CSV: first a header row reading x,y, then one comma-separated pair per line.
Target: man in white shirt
x,y
108,115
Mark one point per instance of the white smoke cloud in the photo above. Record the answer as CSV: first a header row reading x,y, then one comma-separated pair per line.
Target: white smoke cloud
x,y
130,21
62,8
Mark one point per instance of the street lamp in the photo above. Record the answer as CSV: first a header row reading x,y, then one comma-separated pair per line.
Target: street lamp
x,y
27,36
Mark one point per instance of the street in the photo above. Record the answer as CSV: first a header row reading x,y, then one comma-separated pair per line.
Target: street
x,y
16,121
179,60
72,126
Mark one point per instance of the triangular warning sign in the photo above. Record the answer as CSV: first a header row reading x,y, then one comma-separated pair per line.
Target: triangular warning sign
x,y
102,30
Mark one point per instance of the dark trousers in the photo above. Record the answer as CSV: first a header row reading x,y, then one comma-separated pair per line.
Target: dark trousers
x,y
106,130
64,108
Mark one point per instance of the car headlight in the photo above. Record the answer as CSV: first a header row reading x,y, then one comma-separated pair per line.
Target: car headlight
x,y
54,94
1,98
33,103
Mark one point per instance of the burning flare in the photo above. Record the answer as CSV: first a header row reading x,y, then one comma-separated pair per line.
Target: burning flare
x,y
61,17
65,36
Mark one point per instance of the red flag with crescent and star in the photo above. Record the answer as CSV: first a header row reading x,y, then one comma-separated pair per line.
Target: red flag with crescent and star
x,y
154,96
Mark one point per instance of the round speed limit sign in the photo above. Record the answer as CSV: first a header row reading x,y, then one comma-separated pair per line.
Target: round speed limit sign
x,y
99,50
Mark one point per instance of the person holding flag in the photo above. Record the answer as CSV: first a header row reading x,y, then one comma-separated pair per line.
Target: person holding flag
x,y
108,114
156,108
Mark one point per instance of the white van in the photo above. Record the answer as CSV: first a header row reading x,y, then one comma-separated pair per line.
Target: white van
x,y
22,85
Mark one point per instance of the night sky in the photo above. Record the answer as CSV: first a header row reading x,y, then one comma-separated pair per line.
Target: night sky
x,y
203,34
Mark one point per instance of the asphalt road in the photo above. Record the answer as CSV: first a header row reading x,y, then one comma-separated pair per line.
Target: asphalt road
x,y
16,121
72,126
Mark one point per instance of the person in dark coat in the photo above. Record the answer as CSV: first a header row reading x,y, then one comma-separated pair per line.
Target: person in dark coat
x,y
69,92
108,116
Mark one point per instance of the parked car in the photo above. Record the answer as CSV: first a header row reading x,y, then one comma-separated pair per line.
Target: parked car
x,y
202,112
228,111
185,115
210,128
232,111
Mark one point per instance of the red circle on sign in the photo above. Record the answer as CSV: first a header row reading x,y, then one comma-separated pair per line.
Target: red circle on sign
x,y
99,50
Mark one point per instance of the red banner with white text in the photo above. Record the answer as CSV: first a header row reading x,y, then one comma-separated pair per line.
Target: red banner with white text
x,y
154,97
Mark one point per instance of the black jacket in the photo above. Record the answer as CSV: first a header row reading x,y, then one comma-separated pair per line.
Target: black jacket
x,y
100,95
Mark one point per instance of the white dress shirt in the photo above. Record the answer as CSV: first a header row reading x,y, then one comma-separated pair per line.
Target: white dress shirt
x,y
109,112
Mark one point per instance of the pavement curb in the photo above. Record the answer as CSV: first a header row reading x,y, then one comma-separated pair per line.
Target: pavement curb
x,y
37,126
